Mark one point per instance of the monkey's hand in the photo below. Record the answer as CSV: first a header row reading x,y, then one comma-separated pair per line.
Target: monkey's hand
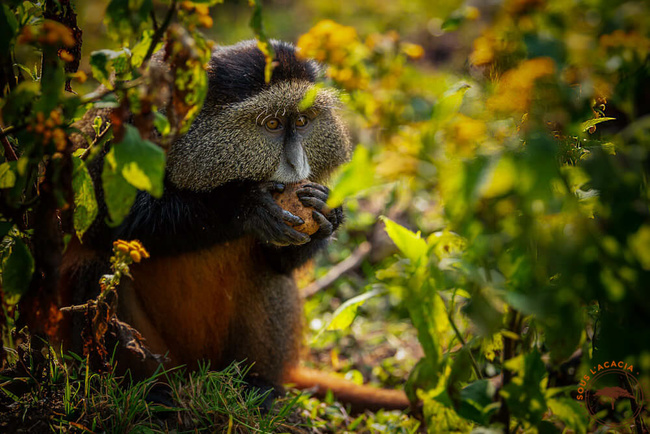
x,y
315,196
267,221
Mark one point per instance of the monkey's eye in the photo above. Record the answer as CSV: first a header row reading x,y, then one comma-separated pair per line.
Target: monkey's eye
x,y
302,121
273,124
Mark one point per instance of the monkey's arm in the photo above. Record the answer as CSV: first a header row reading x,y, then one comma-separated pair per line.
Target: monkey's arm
x,y
183,220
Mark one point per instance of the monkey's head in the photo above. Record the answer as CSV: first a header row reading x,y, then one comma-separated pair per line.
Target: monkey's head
x,y
252,130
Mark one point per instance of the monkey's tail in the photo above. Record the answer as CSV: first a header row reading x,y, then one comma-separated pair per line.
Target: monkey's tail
x,y
359,397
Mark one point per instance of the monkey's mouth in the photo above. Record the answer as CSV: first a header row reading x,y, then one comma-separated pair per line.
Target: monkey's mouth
x,y
289,173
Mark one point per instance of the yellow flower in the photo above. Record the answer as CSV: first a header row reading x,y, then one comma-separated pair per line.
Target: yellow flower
x,y
484,48
464,134
328,42
134,249
414,51
514,90
472,13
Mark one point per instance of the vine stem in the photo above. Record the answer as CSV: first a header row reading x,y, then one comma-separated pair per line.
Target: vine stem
x,y
459,336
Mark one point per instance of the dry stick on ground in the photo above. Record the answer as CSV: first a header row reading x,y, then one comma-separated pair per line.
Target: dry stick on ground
x,y
346,265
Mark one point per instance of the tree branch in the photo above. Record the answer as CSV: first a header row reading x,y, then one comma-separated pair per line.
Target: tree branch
x,y
346,265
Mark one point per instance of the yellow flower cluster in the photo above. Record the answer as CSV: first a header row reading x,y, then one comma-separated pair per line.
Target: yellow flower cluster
x,y
202,13
464,134
514,92
484,49
50,33
50,129
133,249
628,40
328,42
335,44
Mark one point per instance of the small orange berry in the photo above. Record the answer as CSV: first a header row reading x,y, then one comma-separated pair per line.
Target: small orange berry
x,y
51,38
188,6
66,56
206,21
202,10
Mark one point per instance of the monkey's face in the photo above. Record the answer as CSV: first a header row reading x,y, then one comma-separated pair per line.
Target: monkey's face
x,y
264,137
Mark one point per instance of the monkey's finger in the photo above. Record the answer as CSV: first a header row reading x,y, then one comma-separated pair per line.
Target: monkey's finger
x,y
291,219
325,227
276,187
335,217
317,204
318,187
309,191
295,237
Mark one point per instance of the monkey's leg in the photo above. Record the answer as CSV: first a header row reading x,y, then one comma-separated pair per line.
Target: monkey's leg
x,y
266,332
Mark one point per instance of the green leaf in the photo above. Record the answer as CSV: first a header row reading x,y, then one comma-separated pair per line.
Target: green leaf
x,y
85,210
140,49
476,401
523,394
104,63
119,195
450,103
7,175
21,100
8,28
483,313
409,243
161,123
593,122
257,25
354,177
569,411
125,18
141,162
18,269
310,96
347,312
424,375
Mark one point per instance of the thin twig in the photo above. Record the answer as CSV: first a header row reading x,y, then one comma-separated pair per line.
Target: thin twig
x,y
97,139
158,34
349,263
10,154
460,338
102,91
75,308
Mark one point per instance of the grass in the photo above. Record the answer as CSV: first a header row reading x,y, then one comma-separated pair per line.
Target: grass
x,y
52,392
65,396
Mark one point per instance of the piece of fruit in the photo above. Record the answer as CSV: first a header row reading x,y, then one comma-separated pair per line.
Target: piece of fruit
x,y
289,201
